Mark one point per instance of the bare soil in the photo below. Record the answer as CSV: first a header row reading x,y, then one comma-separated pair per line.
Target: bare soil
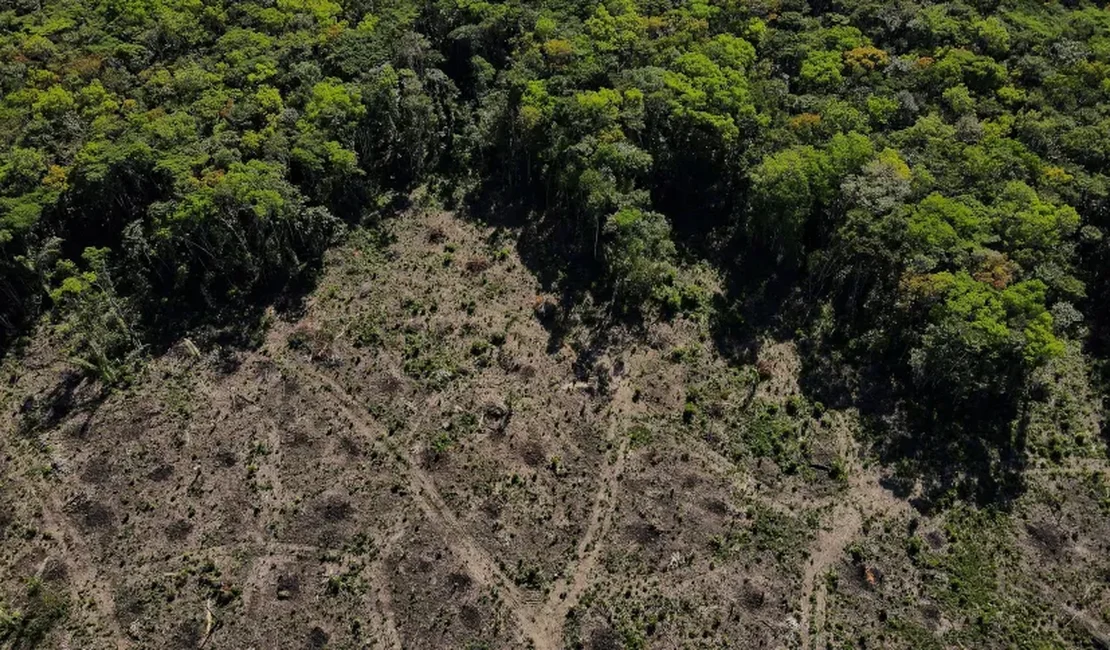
x,y
417,461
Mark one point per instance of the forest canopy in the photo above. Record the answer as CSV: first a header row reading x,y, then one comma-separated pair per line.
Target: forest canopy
x,y
919,188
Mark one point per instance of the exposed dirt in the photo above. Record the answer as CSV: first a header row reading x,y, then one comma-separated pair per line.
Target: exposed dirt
x,y
418,461
864,500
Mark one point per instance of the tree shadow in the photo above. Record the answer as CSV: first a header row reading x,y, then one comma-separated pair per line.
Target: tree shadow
x,y
542,241
73,393
934,446
942,456
1096,263
760,301
547,247
17,311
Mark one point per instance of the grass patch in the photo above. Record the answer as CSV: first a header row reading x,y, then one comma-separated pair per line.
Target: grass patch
x,y
27,626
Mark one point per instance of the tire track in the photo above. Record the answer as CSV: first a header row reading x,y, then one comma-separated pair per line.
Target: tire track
x,y
478,562
829,545
540,622
865,499
569,589
84,568
385,598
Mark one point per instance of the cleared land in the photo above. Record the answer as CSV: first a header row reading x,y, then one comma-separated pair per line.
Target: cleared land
x,y
419,460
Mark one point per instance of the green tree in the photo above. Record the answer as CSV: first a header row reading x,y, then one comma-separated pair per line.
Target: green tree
x,y
639,257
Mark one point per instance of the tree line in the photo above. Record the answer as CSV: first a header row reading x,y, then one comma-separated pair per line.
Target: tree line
x,y
929,178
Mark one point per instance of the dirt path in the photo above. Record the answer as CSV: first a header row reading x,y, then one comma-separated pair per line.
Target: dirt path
x,y
829,546
256,547
540,623
388,617
478,562
82,567
569,589
864,498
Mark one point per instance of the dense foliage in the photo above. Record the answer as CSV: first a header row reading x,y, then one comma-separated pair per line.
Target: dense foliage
x,y
926,180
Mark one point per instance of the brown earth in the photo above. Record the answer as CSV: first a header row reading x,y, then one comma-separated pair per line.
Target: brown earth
x,y
417,462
